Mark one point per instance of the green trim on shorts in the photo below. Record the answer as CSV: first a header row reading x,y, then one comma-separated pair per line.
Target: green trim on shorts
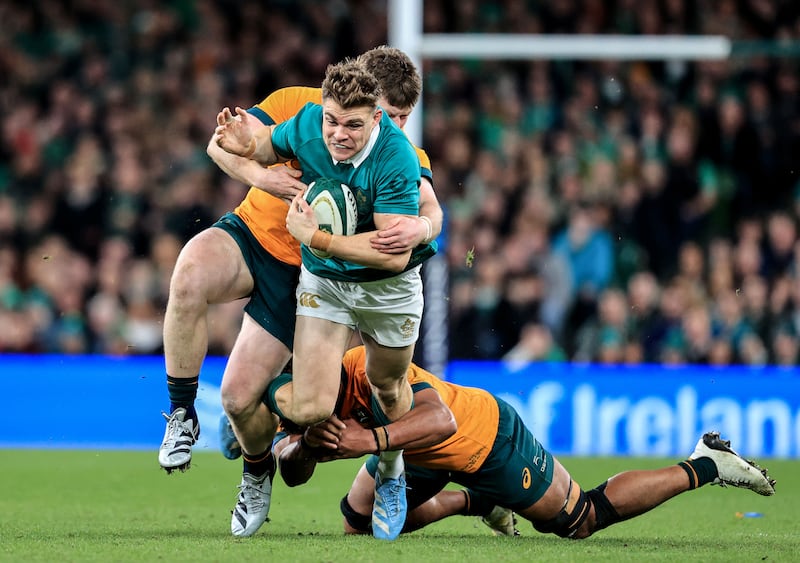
x,y
272,304
269,395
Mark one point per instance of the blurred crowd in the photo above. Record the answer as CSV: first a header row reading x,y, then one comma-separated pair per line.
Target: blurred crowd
x,y
618,212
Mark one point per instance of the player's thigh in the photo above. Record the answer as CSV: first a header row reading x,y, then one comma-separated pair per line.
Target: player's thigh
x,y
269,282
384,364
272,302
551,503
256,359
211,265
319,347
390,310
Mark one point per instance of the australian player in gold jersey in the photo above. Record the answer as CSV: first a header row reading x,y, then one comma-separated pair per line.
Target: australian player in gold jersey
x,y
467,436
249,253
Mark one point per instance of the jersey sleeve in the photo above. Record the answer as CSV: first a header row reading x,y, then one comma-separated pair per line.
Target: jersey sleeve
x,y
424,164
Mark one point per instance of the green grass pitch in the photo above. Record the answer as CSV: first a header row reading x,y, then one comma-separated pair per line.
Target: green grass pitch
x,y
119,506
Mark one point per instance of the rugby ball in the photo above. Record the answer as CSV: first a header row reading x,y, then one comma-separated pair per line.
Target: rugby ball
x,y
334,206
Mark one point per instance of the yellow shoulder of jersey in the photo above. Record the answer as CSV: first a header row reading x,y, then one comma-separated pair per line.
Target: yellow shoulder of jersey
x,y
286,102
424,161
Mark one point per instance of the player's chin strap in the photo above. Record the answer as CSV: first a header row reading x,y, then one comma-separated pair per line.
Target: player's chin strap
x,y
576,509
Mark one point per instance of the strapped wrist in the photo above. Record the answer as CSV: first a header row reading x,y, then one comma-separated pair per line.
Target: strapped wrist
x,y
428,229
321,240
377,442
381,435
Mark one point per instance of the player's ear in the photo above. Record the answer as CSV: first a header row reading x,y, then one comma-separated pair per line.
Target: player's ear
x,y
377,117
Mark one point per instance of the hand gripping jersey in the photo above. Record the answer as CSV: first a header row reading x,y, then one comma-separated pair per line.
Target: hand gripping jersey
x,y
265,214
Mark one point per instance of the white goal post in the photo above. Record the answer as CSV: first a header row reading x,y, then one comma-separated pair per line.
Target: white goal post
x,y
406,33
574,47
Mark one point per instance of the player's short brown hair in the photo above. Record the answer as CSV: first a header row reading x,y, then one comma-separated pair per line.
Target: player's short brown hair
x,y
350,85
396,73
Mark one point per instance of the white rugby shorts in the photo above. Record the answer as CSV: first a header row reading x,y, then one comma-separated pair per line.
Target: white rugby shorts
x,y
388,310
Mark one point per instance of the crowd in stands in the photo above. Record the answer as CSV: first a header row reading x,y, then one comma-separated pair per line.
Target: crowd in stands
x,y
618,212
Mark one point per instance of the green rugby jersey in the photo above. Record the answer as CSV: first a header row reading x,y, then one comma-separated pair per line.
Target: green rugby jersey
x,y
386,181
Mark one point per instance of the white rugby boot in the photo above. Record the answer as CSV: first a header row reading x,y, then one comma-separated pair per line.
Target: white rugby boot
x,y
179,437
733,469
252,504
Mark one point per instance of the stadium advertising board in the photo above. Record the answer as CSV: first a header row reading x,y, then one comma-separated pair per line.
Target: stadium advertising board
x,y
647,410
101,402
96,402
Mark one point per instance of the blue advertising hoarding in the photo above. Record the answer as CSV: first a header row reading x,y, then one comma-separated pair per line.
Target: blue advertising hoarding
x,y
89,402
103,402
646,410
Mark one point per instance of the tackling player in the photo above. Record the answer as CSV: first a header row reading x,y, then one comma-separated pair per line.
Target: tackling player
x,y
491,453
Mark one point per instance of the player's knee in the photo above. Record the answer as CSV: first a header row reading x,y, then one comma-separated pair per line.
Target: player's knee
x,y
392,391
236,405
186,287
574,522
388,397
309,414
354,523
568,523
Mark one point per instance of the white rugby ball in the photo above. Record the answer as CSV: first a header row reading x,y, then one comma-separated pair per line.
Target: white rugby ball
x,y
334,206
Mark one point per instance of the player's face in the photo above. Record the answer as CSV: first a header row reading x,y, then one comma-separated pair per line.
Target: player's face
x,y
346,131
396,114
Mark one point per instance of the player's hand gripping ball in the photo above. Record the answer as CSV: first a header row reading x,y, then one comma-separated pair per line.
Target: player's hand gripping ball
x,y
334,207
